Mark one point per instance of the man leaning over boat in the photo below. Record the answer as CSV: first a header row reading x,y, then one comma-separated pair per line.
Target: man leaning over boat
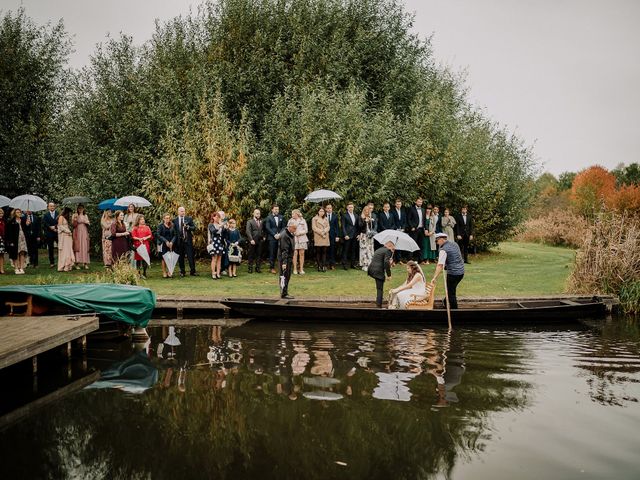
x,y
449,259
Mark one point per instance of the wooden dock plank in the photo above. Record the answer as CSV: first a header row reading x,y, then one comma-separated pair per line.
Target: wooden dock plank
x,y
24,337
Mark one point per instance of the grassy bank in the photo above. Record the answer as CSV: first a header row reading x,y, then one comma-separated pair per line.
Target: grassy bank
x,y
513,269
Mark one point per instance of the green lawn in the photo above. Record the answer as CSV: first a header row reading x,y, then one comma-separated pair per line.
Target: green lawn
x,y
513,269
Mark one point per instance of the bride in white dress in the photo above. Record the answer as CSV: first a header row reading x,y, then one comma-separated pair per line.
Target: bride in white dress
x,y
414,285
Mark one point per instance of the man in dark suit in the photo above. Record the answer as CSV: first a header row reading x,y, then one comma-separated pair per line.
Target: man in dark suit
x,y
349,233
32,236
274,225
464,231
400,223
334,236
255,237
50,223
184,244
415,225
386,221
379,266
285,257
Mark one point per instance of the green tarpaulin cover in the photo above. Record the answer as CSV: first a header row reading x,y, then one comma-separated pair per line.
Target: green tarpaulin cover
x,y
123,303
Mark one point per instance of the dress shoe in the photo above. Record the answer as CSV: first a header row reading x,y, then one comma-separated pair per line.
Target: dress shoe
x,y
345,267
258,270
467,262
181,274
250,270
288,297
194,274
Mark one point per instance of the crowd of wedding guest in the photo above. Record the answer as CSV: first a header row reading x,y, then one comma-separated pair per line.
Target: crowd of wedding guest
x,y
333,239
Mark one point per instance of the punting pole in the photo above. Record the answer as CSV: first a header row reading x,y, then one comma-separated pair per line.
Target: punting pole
x,y
446,296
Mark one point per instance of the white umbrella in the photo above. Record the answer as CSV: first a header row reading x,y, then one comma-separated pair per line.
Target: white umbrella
x,y
322,196
4,201
144,253
401,240
31,203
132,199
76,200
170,259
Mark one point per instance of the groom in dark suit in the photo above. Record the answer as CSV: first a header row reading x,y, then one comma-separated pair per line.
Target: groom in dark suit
x,y
349,233
274,227
334,235
184,243
379,266
415,224
32,233
464,231
50,222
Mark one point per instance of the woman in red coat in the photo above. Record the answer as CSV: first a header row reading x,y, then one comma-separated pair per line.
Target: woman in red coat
x,y
141,235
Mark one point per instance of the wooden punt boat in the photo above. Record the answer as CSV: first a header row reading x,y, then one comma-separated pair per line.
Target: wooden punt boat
x,y
557,310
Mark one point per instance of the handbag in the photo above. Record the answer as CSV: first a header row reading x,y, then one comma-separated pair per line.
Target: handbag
x,y
210,249
235,258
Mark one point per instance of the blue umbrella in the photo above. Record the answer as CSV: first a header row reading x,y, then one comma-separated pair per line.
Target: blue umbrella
x,y
110,205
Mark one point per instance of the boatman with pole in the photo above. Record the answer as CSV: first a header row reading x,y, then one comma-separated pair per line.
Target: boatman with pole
x,y
285,257
449,259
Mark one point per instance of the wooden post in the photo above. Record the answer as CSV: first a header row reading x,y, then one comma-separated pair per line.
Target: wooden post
x,y
446,296
34,364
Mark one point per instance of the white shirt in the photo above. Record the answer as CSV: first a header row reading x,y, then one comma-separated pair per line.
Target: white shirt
x,y
420,220
464,219
442,257
353,218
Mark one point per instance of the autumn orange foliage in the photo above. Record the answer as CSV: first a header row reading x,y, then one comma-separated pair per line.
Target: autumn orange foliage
x,y
626,199
593,189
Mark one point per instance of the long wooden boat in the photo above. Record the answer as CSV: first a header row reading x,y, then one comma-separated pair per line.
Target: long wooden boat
x,y
469,312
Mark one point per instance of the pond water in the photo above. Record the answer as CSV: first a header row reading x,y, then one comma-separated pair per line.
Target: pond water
x,y
300,401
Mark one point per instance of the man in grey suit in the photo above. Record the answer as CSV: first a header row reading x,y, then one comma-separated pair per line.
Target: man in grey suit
x,y
381,264
255,236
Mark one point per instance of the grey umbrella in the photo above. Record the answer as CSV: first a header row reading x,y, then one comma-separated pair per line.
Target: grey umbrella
x,y
28,203
4,201
75,200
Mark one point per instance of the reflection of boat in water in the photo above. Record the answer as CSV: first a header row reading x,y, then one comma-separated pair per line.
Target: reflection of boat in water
x,y
134,375
476,312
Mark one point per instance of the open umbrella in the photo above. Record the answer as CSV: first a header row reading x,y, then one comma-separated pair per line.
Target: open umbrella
x,y
144,253
322,196
132,199
401,240
75,200
170,259
109,204
4,201
31,203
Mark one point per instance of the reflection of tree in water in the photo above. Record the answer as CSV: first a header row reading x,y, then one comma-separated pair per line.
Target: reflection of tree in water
x,y
611,361
259,425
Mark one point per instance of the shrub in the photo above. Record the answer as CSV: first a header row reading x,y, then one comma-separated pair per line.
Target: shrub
x,y
122,273
609,260
557,227
592,189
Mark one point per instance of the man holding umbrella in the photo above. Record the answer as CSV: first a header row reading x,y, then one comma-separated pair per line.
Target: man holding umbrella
x,y
285,257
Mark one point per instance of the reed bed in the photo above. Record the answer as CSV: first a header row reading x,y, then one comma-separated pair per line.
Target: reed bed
x,y
558,228
608,261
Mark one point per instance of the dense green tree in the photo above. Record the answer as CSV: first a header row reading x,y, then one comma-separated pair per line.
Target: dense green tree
x,y
627,175
565,180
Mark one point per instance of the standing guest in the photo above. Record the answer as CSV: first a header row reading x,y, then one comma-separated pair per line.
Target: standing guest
x,y
119,239
184,244
349,233
385,219
449,259
50,221
274,226
320,227
141,235
32,222
415,223
448,224
105,222
233,239
437,218
17,241
367,228
255,235
400,220
166,236
301,242
429,243
131,217
334,236
80,222
285,256
372,210
215,244
66,257
224,265
3,249
464,232
381,265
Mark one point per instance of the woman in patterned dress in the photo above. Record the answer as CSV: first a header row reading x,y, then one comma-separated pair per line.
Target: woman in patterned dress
x,y
66,257
17,241
215,244
367,226
301,242
105,222
80,222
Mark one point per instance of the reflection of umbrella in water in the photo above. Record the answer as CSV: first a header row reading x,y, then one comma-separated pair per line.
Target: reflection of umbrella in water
x,y
134,375
322,382
172,339
144,253
318,196
28,203
170,259
401,240
320,395
75,200
134,200
4,201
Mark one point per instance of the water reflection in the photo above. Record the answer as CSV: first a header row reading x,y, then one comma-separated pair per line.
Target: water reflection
x,y
267,401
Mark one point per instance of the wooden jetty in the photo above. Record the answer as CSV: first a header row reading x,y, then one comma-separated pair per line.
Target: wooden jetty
x,y
24,338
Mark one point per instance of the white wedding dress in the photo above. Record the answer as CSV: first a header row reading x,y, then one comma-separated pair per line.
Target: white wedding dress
x,y
419,289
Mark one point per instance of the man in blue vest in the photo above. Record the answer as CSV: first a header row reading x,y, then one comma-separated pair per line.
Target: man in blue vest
x,y
450,259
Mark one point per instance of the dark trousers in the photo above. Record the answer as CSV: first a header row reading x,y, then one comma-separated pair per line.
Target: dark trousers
x,y
51,248
255,254
331,252
273,252
464,247
452,285
186,250
379,291
321,256
349,248
418,237
285,276
32,247
142,265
